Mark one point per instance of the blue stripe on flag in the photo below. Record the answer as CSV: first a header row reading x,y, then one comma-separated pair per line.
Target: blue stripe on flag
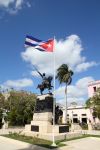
x,y
32,38
40,49
30,44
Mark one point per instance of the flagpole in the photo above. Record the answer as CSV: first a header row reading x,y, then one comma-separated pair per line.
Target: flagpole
x,y
54,97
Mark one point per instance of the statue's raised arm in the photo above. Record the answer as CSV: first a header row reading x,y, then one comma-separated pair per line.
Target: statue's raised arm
x,y
40,73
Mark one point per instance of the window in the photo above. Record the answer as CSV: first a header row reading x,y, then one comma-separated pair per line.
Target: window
x,y
94,88
74,114
83,114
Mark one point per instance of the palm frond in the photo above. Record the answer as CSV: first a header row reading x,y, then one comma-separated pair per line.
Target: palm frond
x,y
64,75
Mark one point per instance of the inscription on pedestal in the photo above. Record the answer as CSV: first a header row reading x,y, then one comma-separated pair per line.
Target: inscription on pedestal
x,y
63,129
34,128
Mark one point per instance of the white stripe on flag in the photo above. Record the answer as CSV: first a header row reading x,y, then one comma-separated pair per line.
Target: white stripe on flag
x,y
31,41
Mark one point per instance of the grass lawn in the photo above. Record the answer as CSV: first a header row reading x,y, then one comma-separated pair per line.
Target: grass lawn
x,y
98,136
79,137
33,140
42,142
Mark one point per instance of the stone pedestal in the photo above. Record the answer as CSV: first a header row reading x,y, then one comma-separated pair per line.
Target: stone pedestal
x,y
42,118
41,125
5,125
42,121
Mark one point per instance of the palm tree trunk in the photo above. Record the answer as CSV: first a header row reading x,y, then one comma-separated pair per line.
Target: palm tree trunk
x,y
66,104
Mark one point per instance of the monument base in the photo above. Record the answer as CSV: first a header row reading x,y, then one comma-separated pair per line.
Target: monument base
x,y
41,125
60,132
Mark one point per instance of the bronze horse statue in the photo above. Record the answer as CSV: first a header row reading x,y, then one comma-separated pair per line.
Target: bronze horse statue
x,y
46,84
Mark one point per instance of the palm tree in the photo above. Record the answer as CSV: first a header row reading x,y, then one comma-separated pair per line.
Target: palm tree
x,y
64,75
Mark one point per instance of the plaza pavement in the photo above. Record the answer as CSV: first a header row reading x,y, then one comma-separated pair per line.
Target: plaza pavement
x,y
10,144
89,143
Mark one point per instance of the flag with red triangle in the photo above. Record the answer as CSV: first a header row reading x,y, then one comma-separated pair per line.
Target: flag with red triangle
x,y
45,46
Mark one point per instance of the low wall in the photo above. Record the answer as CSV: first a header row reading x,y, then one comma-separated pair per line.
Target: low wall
x,y
15,129
92,132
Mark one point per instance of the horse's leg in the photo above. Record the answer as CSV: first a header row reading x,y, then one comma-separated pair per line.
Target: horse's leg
x,y
41,91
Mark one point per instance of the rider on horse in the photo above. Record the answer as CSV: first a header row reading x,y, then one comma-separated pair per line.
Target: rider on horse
x,y
46,83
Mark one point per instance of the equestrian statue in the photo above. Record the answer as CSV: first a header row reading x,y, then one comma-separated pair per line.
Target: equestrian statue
x,y
46,82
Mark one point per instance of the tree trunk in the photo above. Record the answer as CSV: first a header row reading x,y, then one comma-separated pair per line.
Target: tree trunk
x,y
66,104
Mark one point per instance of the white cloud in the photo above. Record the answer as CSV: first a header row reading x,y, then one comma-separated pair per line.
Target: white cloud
x,y
84,66
77,92
12,6
18,3
66,51
28,4
6,3
17,84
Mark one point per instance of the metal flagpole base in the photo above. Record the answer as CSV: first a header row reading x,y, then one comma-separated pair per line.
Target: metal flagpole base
x,y
54,145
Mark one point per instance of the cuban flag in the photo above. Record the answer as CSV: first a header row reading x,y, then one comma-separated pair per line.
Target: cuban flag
x,y
45,46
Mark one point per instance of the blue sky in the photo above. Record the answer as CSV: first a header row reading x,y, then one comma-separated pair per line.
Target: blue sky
x,y
76,27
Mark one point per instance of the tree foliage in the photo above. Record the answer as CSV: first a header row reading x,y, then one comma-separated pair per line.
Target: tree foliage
x,y
64,74
94,102
2,100
20,106
1,115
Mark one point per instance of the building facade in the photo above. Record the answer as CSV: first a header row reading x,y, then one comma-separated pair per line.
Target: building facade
x,y
92,87
78,114
82,114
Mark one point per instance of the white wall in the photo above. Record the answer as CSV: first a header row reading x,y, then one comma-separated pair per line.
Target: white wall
x,y
91,86
79,111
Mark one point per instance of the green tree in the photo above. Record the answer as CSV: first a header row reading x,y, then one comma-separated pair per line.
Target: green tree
x,y
1,115
94,102
64,75
2,100
20,106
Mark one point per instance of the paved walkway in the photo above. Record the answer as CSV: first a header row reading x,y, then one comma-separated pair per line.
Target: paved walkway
x,y
10,144
89,143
